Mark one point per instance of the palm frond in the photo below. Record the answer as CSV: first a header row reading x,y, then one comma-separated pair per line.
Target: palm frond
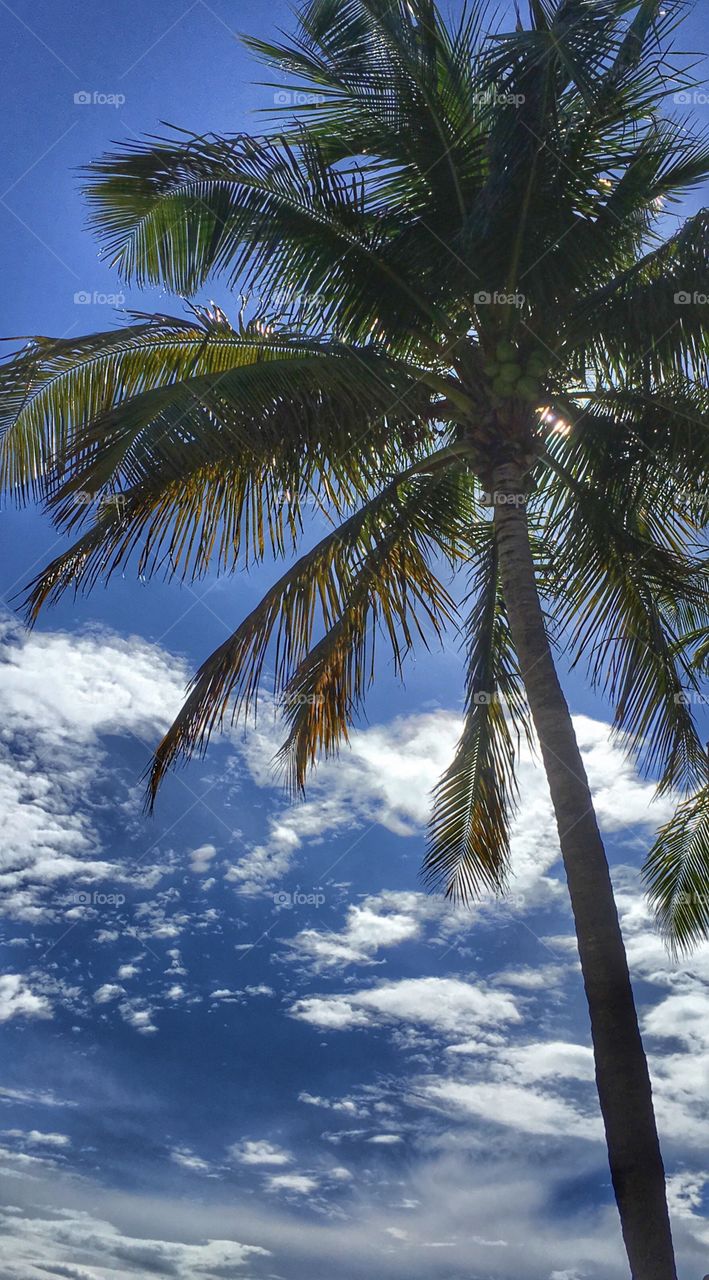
x,y
631,590
468,847
104,410
677,874
274,216
371,571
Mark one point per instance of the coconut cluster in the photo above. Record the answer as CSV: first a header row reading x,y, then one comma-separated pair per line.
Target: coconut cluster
x,y
511,377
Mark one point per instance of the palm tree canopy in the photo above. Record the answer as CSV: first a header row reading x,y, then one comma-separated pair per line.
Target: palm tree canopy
x,y
459,247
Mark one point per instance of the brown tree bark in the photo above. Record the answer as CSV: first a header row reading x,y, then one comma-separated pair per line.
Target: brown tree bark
x,y
622,1075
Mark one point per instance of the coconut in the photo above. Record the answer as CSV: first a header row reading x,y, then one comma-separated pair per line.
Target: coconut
x,y
537,364
528,388
510,371
506,351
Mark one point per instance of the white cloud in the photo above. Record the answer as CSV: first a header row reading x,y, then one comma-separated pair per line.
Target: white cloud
x,y
378,923
201,858
348,1105
259,1153
73,1243
72,688
386,776
299,1183
35,1138
188,1160
522,1109
138,1015
544,978
333,1013
60,694
33,1097
441,1004
551,1059
109,991
681,1017
18,1001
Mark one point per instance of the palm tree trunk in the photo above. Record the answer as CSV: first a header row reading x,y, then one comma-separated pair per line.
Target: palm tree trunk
x,y
621,1068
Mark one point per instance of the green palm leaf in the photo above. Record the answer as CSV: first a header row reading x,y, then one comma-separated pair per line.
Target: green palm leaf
x,y
372,569
677,874
468,848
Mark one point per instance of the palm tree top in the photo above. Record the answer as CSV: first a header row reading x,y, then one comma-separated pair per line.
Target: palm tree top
x,y
457,239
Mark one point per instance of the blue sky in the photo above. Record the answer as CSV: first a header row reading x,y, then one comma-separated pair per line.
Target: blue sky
x,y
238,1039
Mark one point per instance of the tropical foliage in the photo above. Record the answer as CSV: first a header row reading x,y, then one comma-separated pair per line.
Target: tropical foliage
x,y
454,265
450,223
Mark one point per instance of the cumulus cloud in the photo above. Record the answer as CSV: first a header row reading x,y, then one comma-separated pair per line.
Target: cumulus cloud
x,y
523,1109
17,1000
378,923
386,777
35,1138
188,1160
441,1004
259,1153
61,694
299,1183
201,858
72,1243
109,991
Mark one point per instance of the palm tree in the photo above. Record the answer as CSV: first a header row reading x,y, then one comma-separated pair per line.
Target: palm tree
x,y
477,350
